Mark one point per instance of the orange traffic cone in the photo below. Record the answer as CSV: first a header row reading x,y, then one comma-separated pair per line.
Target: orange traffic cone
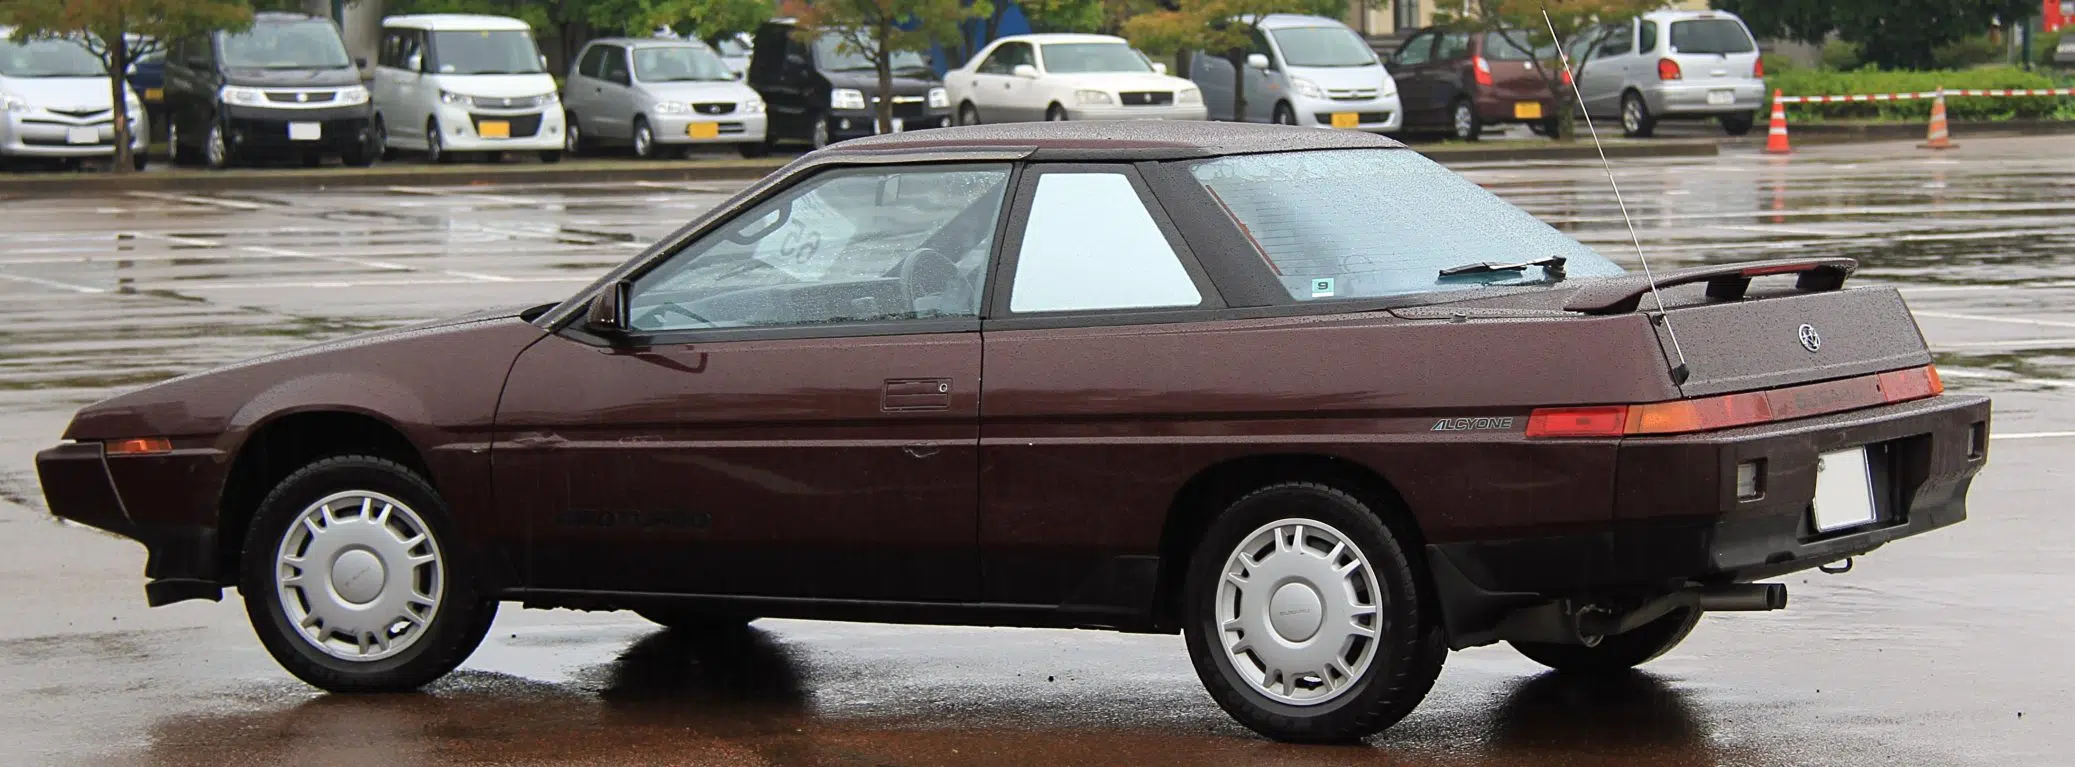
x,y
1776,138
1938,138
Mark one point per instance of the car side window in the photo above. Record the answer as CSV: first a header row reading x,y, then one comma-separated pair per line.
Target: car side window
x,y
1618,41
997,62
592,65
1648,35
846,246
1453,46
1091,244
614,68
1418,50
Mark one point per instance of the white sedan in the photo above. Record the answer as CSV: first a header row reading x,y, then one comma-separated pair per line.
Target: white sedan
x,y
1024,78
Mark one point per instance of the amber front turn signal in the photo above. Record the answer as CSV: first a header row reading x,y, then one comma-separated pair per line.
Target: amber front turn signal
x,y
143,446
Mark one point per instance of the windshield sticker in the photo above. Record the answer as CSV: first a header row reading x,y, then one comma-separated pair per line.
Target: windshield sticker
x,y
1322,287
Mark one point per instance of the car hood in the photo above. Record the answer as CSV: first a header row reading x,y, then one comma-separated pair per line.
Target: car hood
x,y
498,86
67,94
709,90
409,372
1344,78
1123,81
292,78
868,82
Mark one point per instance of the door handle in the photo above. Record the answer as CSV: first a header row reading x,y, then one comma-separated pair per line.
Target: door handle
x,y
910,394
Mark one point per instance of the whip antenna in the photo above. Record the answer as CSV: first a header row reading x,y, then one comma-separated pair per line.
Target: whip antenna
x,y
1680,371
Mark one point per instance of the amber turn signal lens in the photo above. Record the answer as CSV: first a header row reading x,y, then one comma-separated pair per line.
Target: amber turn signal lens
x,y
144,446
1602,421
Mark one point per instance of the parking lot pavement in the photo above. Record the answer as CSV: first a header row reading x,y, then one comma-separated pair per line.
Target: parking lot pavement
x,y
1949,649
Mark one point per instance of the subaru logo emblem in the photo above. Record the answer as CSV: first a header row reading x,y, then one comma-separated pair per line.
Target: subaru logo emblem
x,y
1809,339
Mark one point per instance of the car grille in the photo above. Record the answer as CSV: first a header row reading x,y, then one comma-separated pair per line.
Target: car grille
x,y
516,102
1366,118
105,119
1146,98
714,108
732,128
905,107
60,141
81,111
1352,94
523,126
301,97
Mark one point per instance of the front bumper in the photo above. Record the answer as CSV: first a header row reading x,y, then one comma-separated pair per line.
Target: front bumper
x,y
45,134
1664,534
531,129
850,124
1382,114
179,535
1690,99
733,128
263,131
1163,112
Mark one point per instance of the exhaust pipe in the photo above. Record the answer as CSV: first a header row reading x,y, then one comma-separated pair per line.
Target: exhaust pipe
x,y
1742,597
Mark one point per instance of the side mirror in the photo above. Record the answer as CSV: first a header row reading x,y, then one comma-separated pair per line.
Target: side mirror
x,y
414,62
543,60
1257,60
360,62
608,312
1159,68
1025,70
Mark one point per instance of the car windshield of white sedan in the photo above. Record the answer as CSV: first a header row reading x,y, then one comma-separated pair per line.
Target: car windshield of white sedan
x,y
1322,47
678,63
839,55
294,45
48,58
1081,58
1368,223
507,52
863,245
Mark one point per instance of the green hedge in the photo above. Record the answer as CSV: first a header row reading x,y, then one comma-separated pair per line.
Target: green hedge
x,y
1822,82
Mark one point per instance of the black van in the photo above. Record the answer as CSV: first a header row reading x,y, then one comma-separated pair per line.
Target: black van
x,y
822,93
284,89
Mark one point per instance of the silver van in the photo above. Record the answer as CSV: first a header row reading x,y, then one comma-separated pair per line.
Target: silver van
x,y
1670,65
1305,70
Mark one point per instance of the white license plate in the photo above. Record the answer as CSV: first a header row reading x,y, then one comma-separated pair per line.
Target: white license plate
x,y
899,126
1844,490
82,135
305,131
1721,98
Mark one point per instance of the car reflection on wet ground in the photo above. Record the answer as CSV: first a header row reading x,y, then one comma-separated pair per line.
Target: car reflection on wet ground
x,y
1949,649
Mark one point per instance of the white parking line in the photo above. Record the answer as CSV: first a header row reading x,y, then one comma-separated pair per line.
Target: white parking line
x,y
435,192
2034,435
2051,383
199,200
1986,318
432,282
51,283
2019,343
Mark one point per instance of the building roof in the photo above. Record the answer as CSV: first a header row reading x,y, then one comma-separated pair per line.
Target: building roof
x,y
468,22
1121,140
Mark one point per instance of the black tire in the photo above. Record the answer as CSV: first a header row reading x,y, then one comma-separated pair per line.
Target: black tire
x,y
1737,125
691,620
574,142
1409,648
550,156
1056,114
1617,653
753,149
456,625
362,156
140,159
1636,120
1463,122
382,148
217,152
436,144
1284,114
644,139
177,150
968,114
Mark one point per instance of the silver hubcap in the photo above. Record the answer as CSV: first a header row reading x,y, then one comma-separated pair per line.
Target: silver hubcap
x,y
433,147
570,140
969,116
821,133
359,575
1462,120
642,140
1298,612
1632,116
219,152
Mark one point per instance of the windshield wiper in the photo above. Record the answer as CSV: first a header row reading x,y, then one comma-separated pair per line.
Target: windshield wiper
x,y
1552,266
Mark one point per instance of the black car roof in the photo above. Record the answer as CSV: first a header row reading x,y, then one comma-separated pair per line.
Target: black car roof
x,y
1129,140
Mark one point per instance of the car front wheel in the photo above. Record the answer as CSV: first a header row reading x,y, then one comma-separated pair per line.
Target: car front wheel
x,y
1303,617
354,581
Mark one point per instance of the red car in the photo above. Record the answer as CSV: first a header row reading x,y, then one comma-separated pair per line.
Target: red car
x,y
1463,82
1292,393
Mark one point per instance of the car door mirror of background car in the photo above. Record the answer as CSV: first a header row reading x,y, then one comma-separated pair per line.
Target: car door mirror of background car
x,y
1257,60
1025,71
1159,68
414,62
608,311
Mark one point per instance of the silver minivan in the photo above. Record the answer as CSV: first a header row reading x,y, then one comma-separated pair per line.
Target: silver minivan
x,y
660,97
1669,65
1305,70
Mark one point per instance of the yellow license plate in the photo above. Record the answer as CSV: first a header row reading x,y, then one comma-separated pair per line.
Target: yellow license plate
x,y
1527,110
1346,120
154,94
494,129
702,130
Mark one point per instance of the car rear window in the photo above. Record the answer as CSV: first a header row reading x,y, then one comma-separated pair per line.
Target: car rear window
x,y
1498,48
1368,223
1711,36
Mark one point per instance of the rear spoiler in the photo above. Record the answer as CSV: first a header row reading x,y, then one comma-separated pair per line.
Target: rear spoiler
x,y
1726,282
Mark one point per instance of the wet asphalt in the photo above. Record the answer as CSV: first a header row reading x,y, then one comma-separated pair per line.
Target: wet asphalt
x,y
1953,648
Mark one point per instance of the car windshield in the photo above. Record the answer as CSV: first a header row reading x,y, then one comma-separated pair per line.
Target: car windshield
x,y
311,44
1367,223
1075,58
1322,47
48,58
678,63
1498,48
485,52
836,54
1711,36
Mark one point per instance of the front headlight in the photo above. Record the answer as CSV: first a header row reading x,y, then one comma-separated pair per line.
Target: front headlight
x,y
753,106
456,99
1305,87
1390,86
672,107
355,94
1189,96
234,94
1093,97
938,99
846,98
12,103
551,97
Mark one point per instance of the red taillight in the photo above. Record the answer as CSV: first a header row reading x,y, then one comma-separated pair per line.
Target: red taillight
x,y
1758,69
1687,415
145,446
1601,421
1567,77
1668,69
1483,70
1914,383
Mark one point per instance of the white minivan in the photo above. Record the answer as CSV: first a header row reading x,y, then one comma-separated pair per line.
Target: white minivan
x,y
452,83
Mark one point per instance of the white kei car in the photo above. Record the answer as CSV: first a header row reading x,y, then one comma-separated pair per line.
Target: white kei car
x,y
1024,78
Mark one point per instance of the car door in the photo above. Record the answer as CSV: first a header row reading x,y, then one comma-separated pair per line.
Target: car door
x,y
792,411
1607,74
1264,87
1093,259
581,90
994,84
396,81
1412,66
1449,71
612,97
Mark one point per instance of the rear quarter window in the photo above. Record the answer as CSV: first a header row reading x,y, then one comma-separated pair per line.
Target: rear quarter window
x,y
1711,36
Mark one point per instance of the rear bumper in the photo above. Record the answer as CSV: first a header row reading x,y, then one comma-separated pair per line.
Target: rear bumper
x,y
1690,99
1494,107
78,486
1666,534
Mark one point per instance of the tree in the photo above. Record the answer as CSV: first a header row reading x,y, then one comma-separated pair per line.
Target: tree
x,y
1226,28
119,32
1892,34
878,29
1521,24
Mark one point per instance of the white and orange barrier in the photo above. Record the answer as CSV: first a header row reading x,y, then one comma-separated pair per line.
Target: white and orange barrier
x,y
1937,137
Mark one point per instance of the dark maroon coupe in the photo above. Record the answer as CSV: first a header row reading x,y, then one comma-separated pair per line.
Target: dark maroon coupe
x,y
1318,404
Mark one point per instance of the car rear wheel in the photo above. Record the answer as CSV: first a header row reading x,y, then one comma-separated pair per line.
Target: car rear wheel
x,y
692,620
1303,617
1463,122
1636,121
354,580
1616,653
1738,125
968,114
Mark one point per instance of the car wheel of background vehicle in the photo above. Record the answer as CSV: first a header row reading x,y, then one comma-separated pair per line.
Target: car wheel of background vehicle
x,y
436,144
1304,617
968,114
382,146
550,156
819,136
1636,121
1284,114
753,149
175,152
1619,652
216,150
573,140
354,581
693,620
312,159
1738,125
1463,122
1056,114
644,140
140,159
364,155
